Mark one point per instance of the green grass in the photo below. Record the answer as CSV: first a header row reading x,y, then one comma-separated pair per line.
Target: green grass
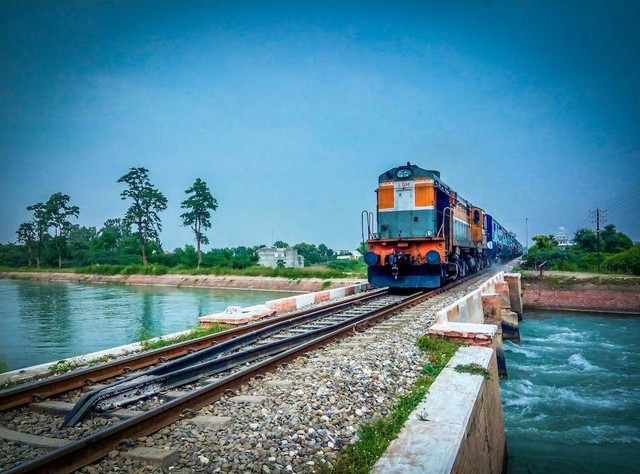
x,y
473,369
10,384
193,334
572,281
64,366
375,437
290,273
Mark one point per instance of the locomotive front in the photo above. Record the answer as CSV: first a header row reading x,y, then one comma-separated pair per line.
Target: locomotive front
x,y
409,248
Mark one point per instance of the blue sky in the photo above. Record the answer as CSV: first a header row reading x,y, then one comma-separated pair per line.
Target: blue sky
x,y
290,110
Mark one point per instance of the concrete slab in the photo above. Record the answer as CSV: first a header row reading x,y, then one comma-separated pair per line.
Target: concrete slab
x,y
469,333
210,421
50,407
421,447
251,399
122,413
237,315
172,395
32,440
155,457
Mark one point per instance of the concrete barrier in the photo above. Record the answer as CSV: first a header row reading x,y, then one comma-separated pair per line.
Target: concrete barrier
x,y
281,305
296,302
491,303
459,426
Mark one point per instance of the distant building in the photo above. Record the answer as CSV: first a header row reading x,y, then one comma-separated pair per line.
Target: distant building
x,y
561,237
349,255
270,256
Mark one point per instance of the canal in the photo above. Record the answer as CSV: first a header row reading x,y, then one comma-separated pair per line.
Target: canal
x,y
47,321
572,399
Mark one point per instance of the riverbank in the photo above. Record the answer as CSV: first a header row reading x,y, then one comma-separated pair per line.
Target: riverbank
x,y
571,291
234,282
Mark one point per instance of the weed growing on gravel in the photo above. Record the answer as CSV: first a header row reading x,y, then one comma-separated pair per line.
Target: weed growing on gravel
x,y
375,437
64,366
10,384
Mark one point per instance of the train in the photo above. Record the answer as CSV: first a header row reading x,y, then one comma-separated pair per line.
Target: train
x,y
425,234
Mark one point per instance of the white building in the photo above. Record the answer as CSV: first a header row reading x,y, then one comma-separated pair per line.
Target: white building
x,y
270,256
561,237
349,255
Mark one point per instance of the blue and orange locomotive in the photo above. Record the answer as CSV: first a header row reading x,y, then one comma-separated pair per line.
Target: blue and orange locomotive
x,y
427,234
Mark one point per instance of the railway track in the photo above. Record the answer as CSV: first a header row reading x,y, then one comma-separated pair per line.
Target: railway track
x,y
41,389
203,376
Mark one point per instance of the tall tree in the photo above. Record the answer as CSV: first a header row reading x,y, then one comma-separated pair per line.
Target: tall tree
x,y
111,234
147,202
199,205
614,241
544,241
585,239
41,225
58,212
27,236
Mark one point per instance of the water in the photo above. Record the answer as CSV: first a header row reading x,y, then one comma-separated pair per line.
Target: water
x,y
46,321
572,399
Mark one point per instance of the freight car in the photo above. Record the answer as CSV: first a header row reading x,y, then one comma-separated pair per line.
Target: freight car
x,y
426,234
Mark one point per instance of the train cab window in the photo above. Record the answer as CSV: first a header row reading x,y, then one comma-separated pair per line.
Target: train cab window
x,y
476,217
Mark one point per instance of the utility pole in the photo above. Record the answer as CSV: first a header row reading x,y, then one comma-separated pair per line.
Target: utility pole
x,y
599,216
526,224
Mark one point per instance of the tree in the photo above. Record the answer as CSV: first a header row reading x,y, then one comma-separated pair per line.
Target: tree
x,y
544,241
279,244
111,234
199,205
143,212
27,236
58,211
41,224
585,239
614,241
79,242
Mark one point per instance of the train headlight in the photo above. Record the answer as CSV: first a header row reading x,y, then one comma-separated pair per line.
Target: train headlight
x,y
432,257
429,233
371,258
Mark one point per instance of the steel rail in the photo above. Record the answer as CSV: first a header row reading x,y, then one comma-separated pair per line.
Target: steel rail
x,y
208,362
40,389
79,453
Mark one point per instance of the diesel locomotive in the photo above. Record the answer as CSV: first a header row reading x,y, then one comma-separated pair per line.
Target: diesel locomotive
x,y
425,234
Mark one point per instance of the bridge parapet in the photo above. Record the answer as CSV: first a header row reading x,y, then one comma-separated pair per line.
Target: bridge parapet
x,y
459,426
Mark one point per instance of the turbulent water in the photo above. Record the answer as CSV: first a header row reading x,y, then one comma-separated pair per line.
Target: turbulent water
x,y
45,321
572,399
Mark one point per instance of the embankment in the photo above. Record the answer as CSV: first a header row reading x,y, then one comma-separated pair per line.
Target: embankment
x,y
193,281
580,292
